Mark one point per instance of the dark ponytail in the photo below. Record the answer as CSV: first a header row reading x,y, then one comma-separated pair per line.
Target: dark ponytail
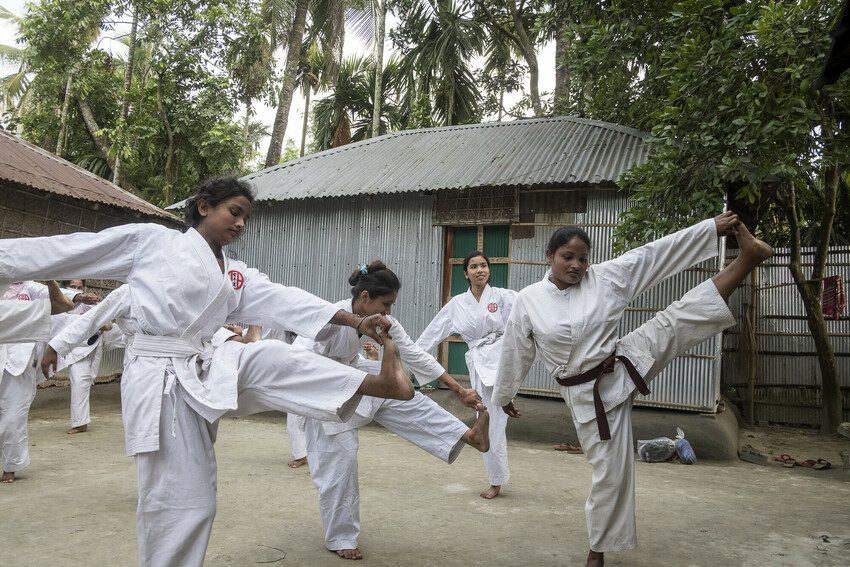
x,y
378,280
564,235
214,191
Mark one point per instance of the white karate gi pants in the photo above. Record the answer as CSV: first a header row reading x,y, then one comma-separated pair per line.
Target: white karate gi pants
x,y
297,440
16,396
177,483
610,509
333,459
81,375
496,459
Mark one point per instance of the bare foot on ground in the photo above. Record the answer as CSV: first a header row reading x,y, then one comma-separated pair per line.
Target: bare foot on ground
x,y
491,492
354,554
478,435
78,429
595,559
8,477
295,463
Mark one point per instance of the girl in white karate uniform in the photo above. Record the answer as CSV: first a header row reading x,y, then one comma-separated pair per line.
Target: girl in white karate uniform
x,y
332,447
182,289
30,321
18,380
479,317
570,319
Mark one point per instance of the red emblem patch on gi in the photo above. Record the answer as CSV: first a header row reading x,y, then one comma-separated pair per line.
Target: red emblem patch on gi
x,y
492,307
23,296
236,278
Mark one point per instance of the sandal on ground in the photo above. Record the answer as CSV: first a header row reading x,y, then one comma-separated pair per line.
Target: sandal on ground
x,y
566,447
821,464
786,460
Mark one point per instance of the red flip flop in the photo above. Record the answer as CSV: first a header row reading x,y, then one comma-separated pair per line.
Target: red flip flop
x,y
807,463
566,447
786,460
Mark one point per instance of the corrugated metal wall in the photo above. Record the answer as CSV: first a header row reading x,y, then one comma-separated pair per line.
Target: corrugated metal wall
x,y
315,244
787,386
691,382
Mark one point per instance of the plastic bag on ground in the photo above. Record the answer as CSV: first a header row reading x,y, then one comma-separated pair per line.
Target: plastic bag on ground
x,y
656,450
684,449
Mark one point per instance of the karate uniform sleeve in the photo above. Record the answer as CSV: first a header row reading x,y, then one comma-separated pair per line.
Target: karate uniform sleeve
x,y
276,306
37,291
508,299
221,336
518,352
24,321
438,330
424,366
114,306
108,254
639,269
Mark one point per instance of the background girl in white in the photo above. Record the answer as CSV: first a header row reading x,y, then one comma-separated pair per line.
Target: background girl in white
x,y
479,317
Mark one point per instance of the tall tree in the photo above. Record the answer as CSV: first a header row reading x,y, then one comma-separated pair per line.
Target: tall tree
x,y
288,83
121,136
726,91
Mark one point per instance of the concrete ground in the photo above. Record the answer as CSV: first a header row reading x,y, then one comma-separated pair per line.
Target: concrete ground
x,y
75,504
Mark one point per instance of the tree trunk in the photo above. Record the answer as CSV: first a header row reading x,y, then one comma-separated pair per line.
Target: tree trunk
x,y
125,103
101,141
562,72
335,41
380,33
306,119
293,56
811,292
528,53
170,173
246,125
63,120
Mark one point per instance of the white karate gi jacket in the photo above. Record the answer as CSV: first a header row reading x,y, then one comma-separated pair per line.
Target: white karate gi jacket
x,y
178,298
16,357
479,323
344,346
575,329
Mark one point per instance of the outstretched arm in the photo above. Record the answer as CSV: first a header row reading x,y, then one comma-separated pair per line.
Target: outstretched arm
x,y
107,254
438,330
639,269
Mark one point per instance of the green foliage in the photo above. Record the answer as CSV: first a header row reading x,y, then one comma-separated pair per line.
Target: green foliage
x,y
725,89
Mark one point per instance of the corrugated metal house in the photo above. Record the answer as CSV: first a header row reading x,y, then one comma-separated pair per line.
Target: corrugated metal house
x,y
420,200
42,194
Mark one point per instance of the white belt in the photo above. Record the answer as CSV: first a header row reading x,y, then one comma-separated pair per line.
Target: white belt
x,y
170,347
486,339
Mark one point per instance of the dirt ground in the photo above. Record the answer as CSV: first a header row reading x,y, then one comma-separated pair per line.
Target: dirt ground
x,y
75,505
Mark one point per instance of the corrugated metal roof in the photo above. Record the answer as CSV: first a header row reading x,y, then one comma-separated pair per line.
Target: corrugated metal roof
x,y
26,164
541,152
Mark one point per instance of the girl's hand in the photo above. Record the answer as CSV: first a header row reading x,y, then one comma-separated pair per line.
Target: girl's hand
x,y
511,410
726,223
374,326
470,399
49,361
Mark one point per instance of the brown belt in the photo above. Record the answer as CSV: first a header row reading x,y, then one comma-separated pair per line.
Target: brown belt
x,y
594,375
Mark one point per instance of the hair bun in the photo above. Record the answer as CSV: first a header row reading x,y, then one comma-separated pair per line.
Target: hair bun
x,y
375,266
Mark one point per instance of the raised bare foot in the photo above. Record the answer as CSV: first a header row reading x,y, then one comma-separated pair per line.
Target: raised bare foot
x,y
753,249
354,554
59,303
595,559
393,380
491,492
78,429
478,435
8,477
295,463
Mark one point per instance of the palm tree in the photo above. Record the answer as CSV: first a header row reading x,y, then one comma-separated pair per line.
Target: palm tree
x,y
14,86
440,59
346,114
